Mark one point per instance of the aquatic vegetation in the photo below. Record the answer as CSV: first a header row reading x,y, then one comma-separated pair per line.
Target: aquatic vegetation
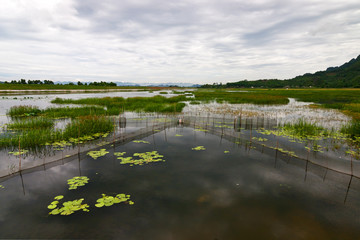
x,y
96,154
259,139
223,126
303,129
352,129
1,186
23,111
143,158
87,126
78,131
115,105
119,154
73,112
19,153
141,141
226,151
200,130
68,207
108,201
76,182
178,135
31,123
199,148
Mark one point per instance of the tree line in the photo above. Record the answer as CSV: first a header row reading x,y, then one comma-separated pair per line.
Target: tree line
x,y
49,82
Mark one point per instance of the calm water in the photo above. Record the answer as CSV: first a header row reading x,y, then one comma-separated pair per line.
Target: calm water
x,y
243,194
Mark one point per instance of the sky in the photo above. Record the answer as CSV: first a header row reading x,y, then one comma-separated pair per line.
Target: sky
x,y
187,41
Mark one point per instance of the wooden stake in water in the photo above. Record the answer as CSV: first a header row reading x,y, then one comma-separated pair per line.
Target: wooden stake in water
x,y
19,155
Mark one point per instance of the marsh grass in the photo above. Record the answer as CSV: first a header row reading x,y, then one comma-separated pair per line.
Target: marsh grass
x,y
23,111
115,105
303,129
352,129
31,123
73,112
37,138
88,125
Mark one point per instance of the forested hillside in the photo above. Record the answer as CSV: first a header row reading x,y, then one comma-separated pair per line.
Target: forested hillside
x,y
344,76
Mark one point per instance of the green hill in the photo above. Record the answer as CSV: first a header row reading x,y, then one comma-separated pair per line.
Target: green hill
x,y
344,76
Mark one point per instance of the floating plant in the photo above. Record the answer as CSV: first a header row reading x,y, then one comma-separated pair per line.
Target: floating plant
x,y
108,201
77,182
200,130
68,207
119,154
144,158
19,152
96,154
1,186
260,139
141,141
198,148
226,151
178,135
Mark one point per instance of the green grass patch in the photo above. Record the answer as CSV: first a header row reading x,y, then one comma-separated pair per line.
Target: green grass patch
x,y
303,129
31,123
73,112
23,111
352,129
78,129
114,105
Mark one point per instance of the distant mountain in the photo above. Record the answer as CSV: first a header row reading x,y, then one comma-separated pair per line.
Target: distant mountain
x,y
344,76
169,84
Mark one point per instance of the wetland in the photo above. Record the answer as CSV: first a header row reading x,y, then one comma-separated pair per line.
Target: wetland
x,y
188,164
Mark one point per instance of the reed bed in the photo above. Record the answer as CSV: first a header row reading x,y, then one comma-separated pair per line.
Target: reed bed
x,y
36,138
116,105
23,111
31,123
73,112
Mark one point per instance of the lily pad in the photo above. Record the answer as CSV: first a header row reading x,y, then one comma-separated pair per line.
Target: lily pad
x,y
198,148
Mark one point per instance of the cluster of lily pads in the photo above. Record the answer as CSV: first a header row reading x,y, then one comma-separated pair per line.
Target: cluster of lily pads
x,y
68,207
19,152
141,141
1,186
96,154
143,158
108,201
76,182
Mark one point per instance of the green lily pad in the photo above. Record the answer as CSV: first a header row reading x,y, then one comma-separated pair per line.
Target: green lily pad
x,y
198,148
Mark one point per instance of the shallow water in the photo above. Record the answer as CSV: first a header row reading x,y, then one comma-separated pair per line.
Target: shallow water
x,y
242,194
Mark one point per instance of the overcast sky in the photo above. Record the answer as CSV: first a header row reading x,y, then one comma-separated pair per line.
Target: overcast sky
x,y
175,41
